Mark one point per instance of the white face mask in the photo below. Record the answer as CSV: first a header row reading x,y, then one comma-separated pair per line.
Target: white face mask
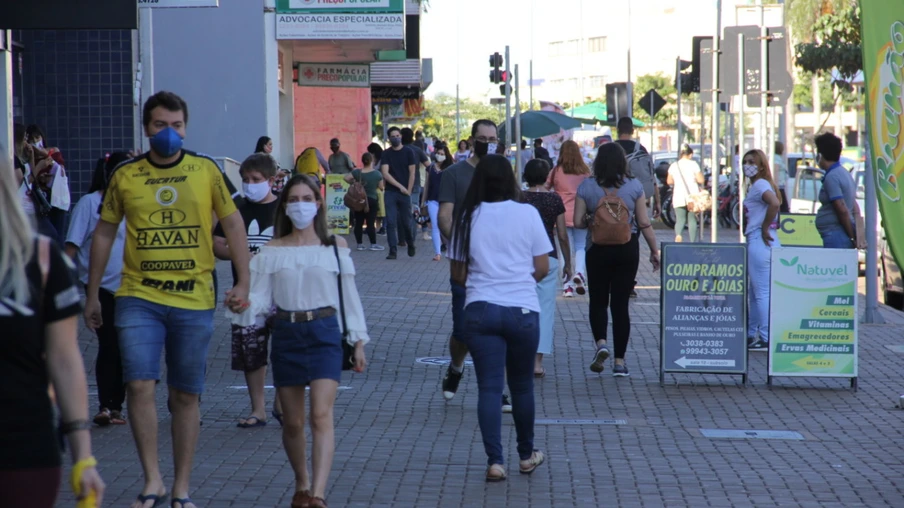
x,y
440,158
256,192
750,170
302,213
40,143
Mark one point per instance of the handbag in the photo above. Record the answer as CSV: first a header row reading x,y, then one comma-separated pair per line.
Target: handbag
x,y
348,351
699,201
59,190
356,197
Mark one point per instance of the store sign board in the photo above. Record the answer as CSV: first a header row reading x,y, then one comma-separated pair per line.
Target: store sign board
x,y
161,4
334,75
337,5
340,19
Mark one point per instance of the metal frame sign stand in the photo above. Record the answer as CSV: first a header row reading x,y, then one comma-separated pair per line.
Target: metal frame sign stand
x,y
703,301
813,320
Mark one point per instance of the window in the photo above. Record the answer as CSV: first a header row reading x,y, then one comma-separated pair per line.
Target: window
x,y
596,45
555,48
597,81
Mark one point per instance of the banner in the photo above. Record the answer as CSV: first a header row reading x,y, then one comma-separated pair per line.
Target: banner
x,y
340,19
798,230
813,312
704,308
336,212
334,75
177,3
882,32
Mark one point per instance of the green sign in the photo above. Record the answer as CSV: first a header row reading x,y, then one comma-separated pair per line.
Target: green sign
x,y
330,6
813,312
883,65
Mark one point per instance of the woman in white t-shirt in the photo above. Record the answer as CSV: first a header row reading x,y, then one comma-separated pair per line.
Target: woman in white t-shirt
x,y
685,178
501,251
761,208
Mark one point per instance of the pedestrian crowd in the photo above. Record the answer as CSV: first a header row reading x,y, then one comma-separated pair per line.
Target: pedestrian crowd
x,y
143,242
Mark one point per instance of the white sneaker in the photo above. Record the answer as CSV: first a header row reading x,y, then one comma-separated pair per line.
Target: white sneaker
x,y
427,236
361,246
569,293
376,246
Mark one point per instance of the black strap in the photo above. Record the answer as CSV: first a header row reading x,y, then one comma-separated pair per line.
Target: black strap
x,y
339,283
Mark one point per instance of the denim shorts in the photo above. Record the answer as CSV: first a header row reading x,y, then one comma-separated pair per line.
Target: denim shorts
x,y
305,352
147,328
458,310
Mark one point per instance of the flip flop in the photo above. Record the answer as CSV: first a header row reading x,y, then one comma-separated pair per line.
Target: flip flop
x,y
181,500
247,423
158,499
540,374
278,416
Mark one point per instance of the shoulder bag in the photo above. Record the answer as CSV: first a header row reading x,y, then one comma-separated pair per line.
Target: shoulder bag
x,y
348,351
697,202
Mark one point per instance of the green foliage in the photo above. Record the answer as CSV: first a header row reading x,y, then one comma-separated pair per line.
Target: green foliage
x,y
664,86
802,15
439,117
836,44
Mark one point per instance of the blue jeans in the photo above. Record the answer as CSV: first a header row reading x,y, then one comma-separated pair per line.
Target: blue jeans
x,y
836,238
503,340
399,222
146,327
433,210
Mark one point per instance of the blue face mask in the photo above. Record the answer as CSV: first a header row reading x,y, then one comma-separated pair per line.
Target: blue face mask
x,y
166,143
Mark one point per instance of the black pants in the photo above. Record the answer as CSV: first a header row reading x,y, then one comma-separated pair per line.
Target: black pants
x,y
610,277
785,207
111,391
371,218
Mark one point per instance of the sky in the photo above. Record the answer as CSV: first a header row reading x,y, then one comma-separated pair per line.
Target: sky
x,y
460,35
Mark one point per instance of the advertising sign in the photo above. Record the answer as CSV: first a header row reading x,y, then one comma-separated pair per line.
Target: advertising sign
x,y
340,19
883,65
337,217
813,313
798,230
704,309
177,3
334,75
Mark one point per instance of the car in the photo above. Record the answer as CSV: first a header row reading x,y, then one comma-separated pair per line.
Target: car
x,y
670,158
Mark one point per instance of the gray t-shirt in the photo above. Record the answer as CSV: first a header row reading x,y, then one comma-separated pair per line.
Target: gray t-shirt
x,y
341,163
422,160
837,184
456,180
591,193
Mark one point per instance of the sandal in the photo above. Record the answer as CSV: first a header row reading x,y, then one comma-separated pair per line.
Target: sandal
x,y
495,473
302,499
247,423
317,502
116,418
540,374
158,499
277,416
103,417
534,462
182,501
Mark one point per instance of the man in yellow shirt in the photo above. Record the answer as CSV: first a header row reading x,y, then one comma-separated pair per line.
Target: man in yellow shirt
x,y
166,300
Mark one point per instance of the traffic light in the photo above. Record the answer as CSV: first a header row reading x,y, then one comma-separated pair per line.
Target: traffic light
x,y
497,75
502,89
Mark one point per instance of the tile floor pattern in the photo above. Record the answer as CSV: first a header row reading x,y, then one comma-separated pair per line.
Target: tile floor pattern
x,y
401,445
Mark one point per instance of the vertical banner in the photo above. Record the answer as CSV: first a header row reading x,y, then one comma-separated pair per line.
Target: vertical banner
x,y
882,33
704,309
813,313
336,212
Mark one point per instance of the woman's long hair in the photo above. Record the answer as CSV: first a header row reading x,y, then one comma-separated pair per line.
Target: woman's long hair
x,y
493,181
377,151
16,238
449,160
571,161
610,168
261,143
103,170
763,171
282,224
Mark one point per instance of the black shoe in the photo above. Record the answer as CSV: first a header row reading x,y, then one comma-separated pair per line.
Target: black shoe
x,y
760,345
382,231
506,404
633,294
392,255
450,383
411,250
751,341
599,359
442,248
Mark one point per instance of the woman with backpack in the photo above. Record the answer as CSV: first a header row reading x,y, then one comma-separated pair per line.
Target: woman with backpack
x,y
500,252
612,207
685,178
372,181
564,179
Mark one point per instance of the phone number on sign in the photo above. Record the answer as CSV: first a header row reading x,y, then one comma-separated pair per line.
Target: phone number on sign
x,y
704,351
703,343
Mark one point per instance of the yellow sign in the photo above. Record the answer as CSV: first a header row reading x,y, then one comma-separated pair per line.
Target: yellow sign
x,y
798,230
337,216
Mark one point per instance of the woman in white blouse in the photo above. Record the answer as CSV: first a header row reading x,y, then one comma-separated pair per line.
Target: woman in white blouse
x,y
502,251
297,273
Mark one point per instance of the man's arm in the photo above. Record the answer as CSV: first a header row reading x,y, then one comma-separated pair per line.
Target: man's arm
x,y
445,219
221,248
389,178
412,171
844,217
237,241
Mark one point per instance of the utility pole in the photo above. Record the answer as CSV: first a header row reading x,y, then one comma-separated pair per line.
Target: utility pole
x,y
678,79
764,81
457,114
742,98
715,128
530,85
517,127
508,101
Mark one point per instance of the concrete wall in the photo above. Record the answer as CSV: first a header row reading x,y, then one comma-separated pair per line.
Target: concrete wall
x,y
325,113
214,59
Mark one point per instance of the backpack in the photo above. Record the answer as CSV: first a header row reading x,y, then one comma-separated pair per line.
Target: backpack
x,y
307,163
641,166
611,220
356,197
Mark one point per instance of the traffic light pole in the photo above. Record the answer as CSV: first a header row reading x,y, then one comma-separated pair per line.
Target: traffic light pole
x,y
678,79
742,98
508,103
764,82
715,128
518,160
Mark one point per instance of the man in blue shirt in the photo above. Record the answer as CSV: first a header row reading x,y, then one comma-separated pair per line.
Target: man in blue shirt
x,y
835,218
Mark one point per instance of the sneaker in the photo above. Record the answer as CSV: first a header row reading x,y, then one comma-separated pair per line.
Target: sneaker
x,y
506,404
392,255
376,246
450,383
759,345
579,284
599,359
382,231
361,246
751,341
633,294
411,250
620,371
569,293
428,236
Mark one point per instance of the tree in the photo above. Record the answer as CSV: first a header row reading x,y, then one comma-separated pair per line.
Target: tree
x,y
439,117
664,86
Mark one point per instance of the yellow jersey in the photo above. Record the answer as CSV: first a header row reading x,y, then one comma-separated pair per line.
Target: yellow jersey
x,y
168,256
